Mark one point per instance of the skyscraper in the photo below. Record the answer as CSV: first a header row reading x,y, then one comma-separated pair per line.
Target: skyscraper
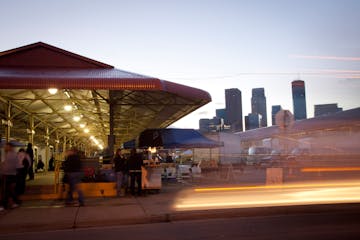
x,y
274,110
258,104
221,113
299,101
233,104
211,125
204,124
252,121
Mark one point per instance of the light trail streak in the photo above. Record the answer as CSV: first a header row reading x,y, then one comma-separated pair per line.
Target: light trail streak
x,y
260,196
331,169
283,186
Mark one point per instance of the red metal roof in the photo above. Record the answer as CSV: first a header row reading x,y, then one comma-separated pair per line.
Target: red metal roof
x,y
44,55
148,103
111,79
42,66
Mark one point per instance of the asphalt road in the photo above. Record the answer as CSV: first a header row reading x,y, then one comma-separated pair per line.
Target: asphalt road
x,y
334,225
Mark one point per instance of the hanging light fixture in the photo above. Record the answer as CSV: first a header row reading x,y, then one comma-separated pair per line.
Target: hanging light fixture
x,y
52,91
76,118
68,107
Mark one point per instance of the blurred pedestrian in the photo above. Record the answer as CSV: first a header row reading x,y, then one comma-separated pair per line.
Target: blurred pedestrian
x,y
135,163
23,165
73,174
121,171
51,164
8,172
30,152
40,166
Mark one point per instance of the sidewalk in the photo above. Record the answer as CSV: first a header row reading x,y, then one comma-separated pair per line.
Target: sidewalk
x,y
42,215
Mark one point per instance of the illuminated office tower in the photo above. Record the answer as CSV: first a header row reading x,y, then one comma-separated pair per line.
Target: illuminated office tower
x,y
258,104
233,104
299,101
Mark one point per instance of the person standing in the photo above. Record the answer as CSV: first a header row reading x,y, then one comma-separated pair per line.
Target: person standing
x,y
72,169
121,171
8,172
135,164
23,164
30,152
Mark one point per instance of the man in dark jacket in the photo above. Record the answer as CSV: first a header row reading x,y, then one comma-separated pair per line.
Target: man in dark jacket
x,y
30,152
73,172
121,171
135,164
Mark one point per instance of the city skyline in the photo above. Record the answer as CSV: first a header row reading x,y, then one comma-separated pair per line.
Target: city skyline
x,y
208,44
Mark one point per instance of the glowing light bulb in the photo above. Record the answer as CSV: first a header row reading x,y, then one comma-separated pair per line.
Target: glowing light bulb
x,y
68,108
53,91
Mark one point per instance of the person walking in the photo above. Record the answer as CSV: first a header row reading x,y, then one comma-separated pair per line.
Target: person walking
x,y
30,152
8,172
135,164
121,171
73,173
23,165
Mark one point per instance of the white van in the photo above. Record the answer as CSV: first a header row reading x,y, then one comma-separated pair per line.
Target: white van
x,y
258,156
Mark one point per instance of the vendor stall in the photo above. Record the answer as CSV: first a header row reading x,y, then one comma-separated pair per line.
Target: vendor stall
x,y
171,138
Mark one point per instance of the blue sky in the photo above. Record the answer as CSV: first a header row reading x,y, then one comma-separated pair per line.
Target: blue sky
x,y
207,44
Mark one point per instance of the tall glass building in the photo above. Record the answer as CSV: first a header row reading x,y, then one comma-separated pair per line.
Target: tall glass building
x,y
274,110
252,121
233,104
258,104
299,101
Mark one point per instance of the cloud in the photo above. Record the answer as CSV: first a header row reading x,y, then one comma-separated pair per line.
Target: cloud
x,y
203,113
220,103
349,77
337,58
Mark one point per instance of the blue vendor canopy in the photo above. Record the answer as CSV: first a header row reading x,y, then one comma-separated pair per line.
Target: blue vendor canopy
x,y
174,138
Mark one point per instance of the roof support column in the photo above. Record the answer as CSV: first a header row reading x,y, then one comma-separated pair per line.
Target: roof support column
x,y
57,141
31,131
64,147
111,137
47,150
8,123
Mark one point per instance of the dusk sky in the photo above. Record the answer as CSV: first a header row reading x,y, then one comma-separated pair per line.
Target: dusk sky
x,y
207,44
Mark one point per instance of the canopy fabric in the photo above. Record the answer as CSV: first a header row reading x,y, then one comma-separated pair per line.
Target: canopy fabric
x,y
129,144
175,138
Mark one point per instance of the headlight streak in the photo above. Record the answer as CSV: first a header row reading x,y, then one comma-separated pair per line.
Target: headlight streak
x,y
260,196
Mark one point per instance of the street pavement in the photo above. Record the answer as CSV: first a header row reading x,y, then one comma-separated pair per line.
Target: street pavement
x,y
49,215
244,197
319,226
